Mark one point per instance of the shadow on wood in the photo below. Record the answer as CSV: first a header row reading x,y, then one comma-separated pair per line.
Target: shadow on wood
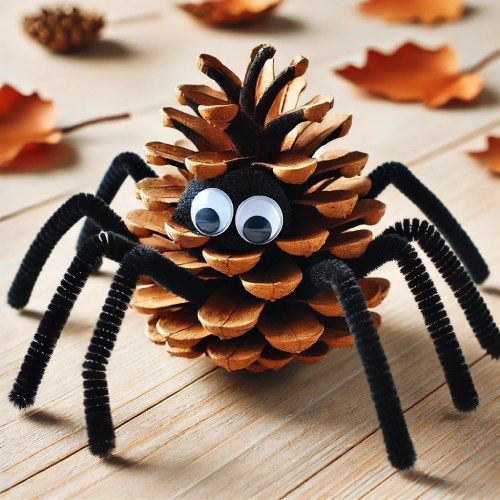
x,y
274,25
107,49
41,158
46,418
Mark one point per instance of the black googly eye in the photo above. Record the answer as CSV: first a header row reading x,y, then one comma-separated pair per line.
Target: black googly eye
x,y
259,220
207,220
257,229
212,211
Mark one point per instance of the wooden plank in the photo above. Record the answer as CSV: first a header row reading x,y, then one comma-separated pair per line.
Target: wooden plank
x,y
130,83
223,429
458,454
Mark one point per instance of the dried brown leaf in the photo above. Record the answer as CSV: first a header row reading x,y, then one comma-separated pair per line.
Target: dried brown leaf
x,y
25,122
413,73
227,12
490,156
424,11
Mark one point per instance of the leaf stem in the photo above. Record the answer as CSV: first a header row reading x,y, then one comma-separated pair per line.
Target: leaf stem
x,y
134,18
93,121
481,64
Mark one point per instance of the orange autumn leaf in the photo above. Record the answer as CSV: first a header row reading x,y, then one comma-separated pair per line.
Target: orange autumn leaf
x,y
25,120
424,11
413,73
227,12
490,156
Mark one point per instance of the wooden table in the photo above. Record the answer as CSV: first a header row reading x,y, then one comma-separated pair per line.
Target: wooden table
x,y
184,428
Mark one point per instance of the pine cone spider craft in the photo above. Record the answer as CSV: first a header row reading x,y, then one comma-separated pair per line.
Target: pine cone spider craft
x,y
257,206
249,250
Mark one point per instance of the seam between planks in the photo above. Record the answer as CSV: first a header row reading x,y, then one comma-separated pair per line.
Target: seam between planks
x,y
454,143
28,208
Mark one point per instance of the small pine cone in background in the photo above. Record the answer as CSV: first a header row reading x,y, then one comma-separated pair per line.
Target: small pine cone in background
x,y
64,28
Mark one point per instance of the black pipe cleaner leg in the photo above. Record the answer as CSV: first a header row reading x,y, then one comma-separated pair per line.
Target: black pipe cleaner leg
x,y
52,323
115,247
67,215
398,174
337,275
123,165
140,261
447,263
388,247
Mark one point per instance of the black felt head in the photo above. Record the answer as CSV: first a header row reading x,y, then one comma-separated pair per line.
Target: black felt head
x,y
239,185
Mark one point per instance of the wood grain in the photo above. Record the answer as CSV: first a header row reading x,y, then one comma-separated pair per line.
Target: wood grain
x,y
183,427
453,458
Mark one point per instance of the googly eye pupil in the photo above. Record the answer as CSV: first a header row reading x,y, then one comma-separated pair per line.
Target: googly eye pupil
x,y
257,229
207,220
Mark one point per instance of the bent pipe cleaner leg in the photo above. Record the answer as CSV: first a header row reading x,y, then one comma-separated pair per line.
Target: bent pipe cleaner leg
x,y
475,309
49,330
113,246
140,261
123,165
335,274
67,215
388,247
400,176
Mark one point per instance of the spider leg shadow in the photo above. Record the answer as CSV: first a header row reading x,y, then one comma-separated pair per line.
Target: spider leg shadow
x,y
47,418
31,314
491,290
72,325
418,476
159,466
123,462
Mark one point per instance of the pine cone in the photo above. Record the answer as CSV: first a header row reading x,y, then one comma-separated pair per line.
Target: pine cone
x,y
64,28
257,318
